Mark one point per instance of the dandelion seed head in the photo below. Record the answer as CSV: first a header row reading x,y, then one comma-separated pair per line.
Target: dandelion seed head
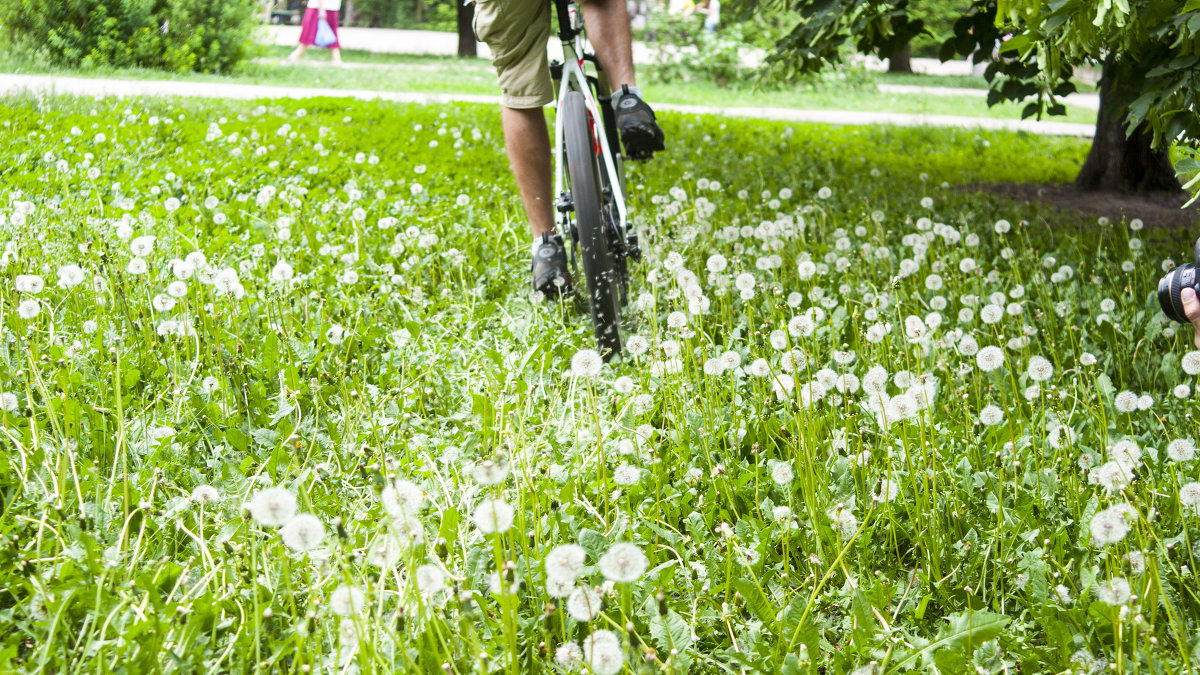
x,y
303,532
493,516
623,563
272,506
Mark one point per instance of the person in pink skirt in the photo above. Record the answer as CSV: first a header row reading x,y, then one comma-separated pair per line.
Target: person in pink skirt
x,y
308,28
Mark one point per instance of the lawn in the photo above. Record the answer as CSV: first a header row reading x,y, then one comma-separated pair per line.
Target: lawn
x,y
275,397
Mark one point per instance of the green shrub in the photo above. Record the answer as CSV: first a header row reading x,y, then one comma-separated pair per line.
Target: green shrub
x,y
175,35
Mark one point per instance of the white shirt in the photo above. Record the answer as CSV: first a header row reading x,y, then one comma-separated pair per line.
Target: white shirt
x,y
330,5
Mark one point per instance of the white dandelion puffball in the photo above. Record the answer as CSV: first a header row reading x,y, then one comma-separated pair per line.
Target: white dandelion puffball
x,y
569,656
1109,526
989,358
1191,362
8,401
430,579
1189,495
565,562
273,506
385,551
781,473
402,499
1181,450
603,654
845,522
991,416
623,563
493,516
29,283
28,309
70,276
282,272
1114,592
303,532
489,472
1125,402
623,385
627,474
888,490
347,600
1040,369
586,363
559,588
584,604
205,494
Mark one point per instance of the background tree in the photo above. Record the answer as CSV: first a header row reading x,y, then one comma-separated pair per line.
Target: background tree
x,y
466,30
1149,51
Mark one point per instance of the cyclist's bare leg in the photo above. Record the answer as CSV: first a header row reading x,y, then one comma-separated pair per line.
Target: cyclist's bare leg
x,y
608,32
527,139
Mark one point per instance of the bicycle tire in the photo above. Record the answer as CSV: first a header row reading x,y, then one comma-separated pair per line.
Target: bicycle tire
x,y
599,264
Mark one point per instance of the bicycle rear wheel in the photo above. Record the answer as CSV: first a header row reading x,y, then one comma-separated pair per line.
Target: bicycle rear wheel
x,y
599,264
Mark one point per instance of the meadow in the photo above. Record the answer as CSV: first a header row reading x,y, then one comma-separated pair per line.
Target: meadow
x,y
275,397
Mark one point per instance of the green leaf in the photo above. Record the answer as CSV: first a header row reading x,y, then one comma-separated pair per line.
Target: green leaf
x,y
593,542
672,632
964,631
237,439
1033,565
756,601
1187,165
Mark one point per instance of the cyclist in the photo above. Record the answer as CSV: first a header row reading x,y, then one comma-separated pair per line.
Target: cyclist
x,y
517,32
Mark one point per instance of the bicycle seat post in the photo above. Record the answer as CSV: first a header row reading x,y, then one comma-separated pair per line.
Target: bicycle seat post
x,y
567,30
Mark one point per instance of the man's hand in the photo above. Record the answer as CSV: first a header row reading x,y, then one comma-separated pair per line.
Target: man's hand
x,y
1191,309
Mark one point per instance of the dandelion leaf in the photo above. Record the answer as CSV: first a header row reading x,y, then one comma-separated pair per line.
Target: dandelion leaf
x,y
1033,565
672,632
792,633
756,600
594,543
964,632
237,439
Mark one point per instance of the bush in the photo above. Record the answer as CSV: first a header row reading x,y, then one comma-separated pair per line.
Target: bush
x,y
175,35
684,51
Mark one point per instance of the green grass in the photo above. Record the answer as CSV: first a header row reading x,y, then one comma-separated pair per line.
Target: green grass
x,y
448,75
201,300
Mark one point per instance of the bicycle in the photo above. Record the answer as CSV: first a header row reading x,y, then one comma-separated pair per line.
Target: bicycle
x,y
589,179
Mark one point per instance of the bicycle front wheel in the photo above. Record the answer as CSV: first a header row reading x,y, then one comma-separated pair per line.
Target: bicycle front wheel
x,y
599,263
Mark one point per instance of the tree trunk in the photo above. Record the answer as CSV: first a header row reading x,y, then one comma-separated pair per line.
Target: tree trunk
x,y
901,61
466,30
1118,162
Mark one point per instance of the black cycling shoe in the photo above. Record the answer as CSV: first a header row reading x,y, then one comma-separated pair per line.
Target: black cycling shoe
x,y
550,275
640,135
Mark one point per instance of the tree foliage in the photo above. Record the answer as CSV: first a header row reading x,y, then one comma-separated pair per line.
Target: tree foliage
x,y
1033,48
176,35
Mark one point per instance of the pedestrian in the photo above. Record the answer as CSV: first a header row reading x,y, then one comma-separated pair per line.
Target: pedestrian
x,y
311,32
711,9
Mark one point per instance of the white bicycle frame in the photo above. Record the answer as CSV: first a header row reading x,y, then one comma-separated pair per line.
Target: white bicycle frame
x,y
574,79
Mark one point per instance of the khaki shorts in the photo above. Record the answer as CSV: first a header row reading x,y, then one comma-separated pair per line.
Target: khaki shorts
x,y
517,32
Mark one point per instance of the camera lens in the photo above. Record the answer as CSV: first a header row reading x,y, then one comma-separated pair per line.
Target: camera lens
x,y
1170,288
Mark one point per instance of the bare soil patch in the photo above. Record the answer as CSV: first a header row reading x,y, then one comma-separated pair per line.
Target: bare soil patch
x,y
1160,210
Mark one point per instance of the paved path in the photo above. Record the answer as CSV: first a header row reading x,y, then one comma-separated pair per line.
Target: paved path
x,y
1089,101
79,86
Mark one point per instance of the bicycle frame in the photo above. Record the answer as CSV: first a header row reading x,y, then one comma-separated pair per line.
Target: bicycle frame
x,y
570,23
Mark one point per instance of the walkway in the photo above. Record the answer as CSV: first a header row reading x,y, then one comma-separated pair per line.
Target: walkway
x,y
79,86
